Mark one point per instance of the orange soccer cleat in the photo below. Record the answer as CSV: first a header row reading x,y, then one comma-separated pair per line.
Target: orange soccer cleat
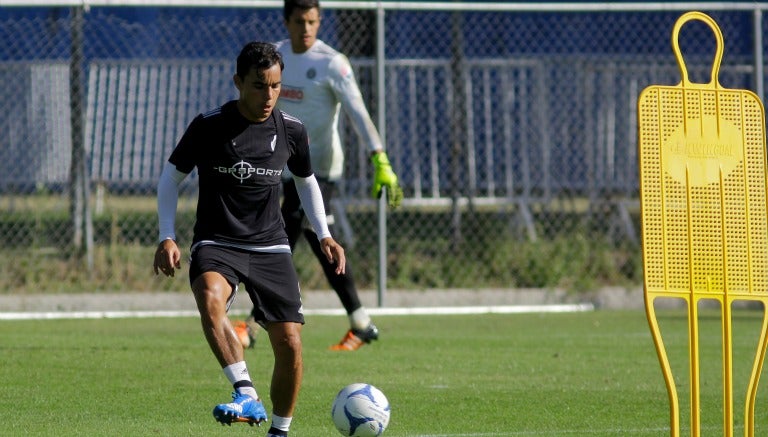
x,y
354,339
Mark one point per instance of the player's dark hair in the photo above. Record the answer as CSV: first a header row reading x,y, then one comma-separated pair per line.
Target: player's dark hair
x,y
291,5
258,55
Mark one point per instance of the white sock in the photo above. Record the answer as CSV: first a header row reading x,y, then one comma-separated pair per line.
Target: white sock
x,y
281,423
239,372
359,319
250,391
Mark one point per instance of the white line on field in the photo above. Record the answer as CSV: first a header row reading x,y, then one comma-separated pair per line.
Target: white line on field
x,y
502,309
611,432
550,433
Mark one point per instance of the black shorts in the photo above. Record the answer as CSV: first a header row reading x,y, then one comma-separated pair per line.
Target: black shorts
x,y
269,278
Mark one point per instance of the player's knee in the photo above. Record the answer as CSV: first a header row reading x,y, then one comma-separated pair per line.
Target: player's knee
x,y
286,338
211,295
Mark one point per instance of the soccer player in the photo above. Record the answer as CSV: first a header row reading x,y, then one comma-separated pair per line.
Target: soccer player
x,y
317,82
240,151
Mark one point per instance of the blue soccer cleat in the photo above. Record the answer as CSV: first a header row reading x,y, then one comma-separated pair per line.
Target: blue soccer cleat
x,y
243,408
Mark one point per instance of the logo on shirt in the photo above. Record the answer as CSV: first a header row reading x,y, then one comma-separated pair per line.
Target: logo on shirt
x,y
293,94
345,72
311,73
243,170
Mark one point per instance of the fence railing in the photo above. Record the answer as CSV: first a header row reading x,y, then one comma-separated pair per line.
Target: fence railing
x,y
524,111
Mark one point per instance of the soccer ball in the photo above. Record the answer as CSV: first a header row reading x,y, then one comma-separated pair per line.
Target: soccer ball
x,y
360,410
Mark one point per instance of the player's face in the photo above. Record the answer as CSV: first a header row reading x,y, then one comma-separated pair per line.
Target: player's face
x,y
302,28
259,90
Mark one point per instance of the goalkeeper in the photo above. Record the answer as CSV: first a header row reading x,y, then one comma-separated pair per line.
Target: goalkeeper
x,y
316,83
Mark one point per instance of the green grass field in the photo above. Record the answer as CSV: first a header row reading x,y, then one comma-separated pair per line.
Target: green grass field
x,y
579,374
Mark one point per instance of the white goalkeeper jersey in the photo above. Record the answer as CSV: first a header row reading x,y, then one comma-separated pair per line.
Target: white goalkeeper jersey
x,y
315,84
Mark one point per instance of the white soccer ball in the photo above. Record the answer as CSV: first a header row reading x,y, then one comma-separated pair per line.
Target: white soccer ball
x,y
360,410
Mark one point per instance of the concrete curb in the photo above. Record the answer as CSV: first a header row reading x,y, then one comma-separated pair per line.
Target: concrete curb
x,y
608,298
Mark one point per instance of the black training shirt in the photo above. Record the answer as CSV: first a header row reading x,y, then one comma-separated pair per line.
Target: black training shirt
x,y
239,163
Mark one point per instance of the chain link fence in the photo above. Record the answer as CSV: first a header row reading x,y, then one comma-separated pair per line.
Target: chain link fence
x,y
513,134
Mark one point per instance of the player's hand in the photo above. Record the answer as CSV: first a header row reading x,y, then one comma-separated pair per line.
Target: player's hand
x,y
335,253
167,258
384,176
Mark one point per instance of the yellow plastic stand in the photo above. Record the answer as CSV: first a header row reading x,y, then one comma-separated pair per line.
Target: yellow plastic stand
x,y
704,220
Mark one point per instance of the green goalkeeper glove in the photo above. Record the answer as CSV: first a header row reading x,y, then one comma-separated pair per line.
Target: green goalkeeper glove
x,y
383,176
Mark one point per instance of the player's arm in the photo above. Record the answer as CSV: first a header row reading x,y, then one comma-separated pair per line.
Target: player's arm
x,y
312,203
168,255
348,93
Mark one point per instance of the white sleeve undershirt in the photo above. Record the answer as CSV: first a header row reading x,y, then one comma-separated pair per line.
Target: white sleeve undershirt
x,y
167,200
312,204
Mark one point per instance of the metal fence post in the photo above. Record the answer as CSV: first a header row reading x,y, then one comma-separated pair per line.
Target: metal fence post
x,y
382,126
